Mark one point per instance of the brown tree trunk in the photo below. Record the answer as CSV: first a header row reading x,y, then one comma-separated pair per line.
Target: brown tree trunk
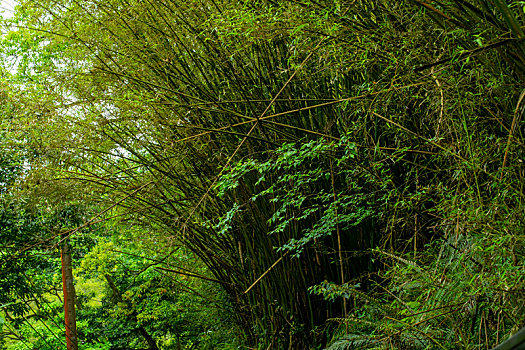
x,y
69,298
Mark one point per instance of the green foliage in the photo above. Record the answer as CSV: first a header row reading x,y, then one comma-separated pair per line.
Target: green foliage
x,y
170,308
287,178
273,144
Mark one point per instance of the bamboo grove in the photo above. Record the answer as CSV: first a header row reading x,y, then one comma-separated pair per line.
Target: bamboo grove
x,y
350,173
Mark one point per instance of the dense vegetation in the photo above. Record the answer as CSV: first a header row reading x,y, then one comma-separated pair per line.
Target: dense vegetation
x,y
263,174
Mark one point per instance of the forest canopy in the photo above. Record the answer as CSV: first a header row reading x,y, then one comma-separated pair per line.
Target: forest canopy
x,y
263,174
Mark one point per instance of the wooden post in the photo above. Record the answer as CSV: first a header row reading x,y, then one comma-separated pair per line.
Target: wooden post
x,y
69,297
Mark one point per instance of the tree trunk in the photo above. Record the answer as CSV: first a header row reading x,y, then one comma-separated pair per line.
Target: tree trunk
x,y
69,298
